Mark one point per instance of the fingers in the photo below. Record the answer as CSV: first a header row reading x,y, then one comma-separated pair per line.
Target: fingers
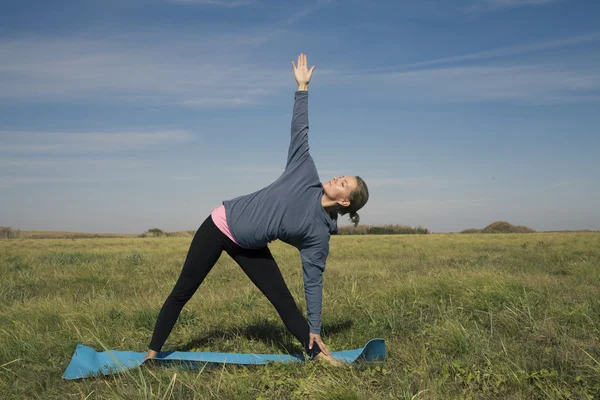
x,y
310,343
293,65
301,60
323,348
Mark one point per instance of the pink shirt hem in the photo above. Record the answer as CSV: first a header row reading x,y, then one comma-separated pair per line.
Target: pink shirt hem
x,y
218,217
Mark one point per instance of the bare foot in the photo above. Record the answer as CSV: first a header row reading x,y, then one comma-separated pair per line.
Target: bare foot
x,y
323,358
150,354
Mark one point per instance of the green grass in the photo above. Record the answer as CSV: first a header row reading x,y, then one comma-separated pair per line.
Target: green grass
x,y
464,316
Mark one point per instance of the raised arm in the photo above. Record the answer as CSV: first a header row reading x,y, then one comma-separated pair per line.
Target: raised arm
x,y
299,132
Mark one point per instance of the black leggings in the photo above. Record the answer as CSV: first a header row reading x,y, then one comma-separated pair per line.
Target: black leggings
x,y
259,265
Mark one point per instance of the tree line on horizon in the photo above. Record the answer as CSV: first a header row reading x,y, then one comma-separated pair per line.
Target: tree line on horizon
x,y
388,229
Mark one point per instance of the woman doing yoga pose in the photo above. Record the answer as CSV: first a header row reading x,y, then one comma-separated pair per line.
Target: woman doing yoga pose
x,y
297,209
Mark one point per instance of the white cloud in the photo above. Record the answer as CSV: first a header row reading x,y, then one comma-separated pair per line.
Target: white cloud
x,y
217,70
221,3
495,53
490,5
566,80
535,84
225,101
507,3
559,184
256,169
78,142
210,68
404,181
569,182
71,164
17,180
419,211
174,71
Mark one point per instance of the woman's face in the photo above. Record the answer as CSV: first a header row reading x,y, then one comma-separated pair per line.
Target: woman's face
x,y
340,187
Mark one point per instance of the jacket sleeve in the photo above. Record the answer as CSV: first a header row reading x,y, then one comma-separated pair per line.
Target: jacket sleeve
x,y
298,150
313,265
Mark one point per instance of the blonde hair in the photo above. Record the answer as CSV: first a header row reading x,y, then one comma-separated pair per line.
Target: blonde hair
x,y
358,198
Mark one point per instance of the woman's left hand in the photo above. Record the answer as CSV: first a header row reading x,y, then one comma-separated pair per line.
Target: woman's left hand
x,y
313,338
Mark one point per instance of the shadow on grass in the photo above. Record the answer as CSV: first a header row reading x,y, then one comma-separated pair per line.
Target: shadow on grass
x,y
265,331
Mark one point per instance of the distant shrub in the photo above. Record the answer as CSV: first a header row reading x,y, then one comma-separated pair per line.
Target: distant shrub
x,y
7,232
180,233
70,235
501,227
472,230
154,232
381,230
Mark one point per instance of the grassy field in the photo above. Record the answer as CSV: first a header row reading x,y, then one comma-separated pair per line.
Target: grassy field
x,y
507,316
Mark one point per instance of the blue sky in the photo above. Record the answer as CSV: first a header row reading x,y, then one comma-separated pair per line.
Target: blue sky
x,y
120,116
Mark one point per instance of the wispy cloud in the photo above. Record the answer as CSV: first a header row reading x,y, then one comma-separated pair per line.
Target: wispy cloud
x,y
58,157
560,184
565,80
254,169
24,180
220,3
278,29
184,72
31,170
218,70
404,181
490,5
534,84
82,142
208,69
495,53
71,164
424,206
569,182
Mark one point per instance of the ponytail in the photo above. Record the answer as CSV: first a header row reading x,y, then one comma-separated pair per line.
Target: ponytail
x,y
358,198
354,218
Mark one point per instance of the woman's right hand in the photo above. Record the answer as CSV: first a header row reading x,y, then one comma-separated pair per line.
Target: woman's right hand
x,y
316,339
301,73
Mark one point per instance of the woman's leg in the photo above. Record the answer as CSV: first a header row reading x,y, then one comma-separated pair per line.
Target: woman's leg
x,y
204,252
263,271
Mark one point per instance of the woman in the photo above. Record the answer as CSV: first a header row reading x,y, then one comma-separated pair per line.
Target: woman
x,y
297,209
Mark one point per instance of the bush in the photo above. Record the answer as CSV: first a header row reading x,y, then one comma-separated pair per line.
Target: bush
x,y
181,233
472,230
7,232
381,230
154,232
501,227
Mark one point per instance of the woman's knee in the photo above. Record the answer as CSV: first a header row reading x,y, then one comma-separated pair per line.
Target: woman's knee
x,y
180,298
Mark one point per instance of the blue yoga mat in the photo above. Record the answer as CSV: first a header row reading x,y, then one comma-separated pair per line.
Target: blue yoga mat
x,y
87,362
